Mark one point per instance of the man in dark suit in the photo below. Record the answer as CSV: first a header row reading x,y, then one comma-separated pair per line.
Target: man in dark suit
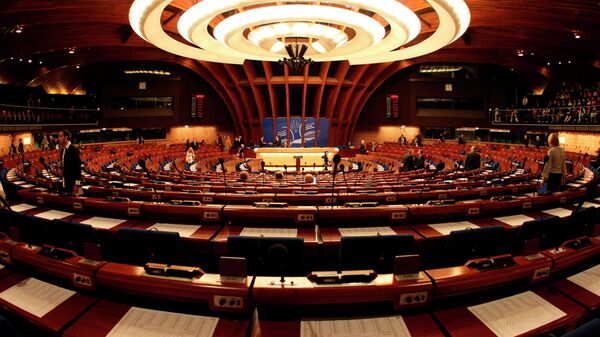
x,y
420,161
408,163
70,163
473,160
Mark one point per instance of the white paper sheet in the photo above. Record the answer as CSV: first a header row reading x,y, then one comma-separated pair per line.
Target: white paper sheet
x,y
365,327
154,323
53,214
35,296
588,279
27,186
515,315
185,231
366,231
447,227
19,182
589,204
514,220
561,212
103,223
22,207
270,232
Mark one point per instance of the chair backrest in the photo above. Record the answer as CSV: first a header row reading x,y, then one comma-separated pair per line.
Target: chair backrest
x,y
31,228
8,330
70,235
375,252
589,329
582,222
467,244
548,230
269,256
139,246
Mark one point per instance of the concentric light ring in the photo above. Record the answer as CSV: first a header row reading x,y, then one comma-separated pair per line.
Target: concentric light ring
x,y
145,19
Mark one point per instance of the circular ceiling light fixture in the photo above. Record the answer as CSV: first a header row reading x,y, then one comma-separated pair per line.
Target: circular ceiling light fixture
x,y
360,31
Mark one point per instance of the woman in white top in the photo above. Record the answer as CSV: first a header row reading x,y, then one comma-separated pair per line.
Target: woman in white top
x,y
555,169
190,156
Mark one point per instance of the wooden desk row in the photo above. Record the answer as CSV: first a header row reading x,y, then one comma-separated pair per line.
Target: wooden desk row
x,y
247,215
85,315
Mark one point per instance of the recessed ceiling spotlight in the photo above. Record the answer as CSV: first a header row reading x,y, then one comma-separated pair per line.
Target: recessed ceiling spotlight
x,y
532,54
18,29
569,61
559,62
520,52
548,63
71,50
40,62
577,34
20,60
77,66
29,61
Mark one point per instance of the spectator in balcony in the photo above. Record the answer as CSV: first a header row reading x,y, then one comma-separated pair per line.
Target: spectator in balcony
x,y
363,147
408,161
461,139
402,140
45,144
70,164
472,160
497,115
514,116
21,147
190,156
420,161
13,148
555,169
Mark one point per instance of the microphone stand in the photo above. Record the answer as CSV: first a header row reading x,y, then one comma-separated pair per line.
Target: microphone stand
x,y
142,164
440,166
336,162
357,173
42,161
342,167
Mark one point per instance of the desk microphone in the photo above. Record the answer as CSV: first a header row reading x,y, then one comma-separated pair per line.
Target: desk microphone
x,y
278,254
336,162
285,170
342,167
440,166
222,162
262,169
358,164
142,164
42,161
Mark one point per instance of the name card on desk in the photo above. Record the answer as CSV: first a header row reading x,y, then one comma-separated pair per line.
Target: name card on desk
x,y
588,280
35,296
560,212
103,223
366,231
53,214
515,315
146,322
514,220
368,327
185,231
22,207
447,227
270,232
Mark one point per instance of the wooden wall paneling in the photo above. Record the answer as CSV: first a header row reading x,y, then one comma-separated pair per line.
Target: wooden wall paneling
x,y
286,78
272,93
248,103
332,95
303,111
353,112
232,95
256,92
323,73
355,77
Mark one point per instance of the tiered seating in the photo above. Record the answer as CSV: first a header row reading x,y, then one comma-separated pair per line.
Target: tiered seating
x,y
314,229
